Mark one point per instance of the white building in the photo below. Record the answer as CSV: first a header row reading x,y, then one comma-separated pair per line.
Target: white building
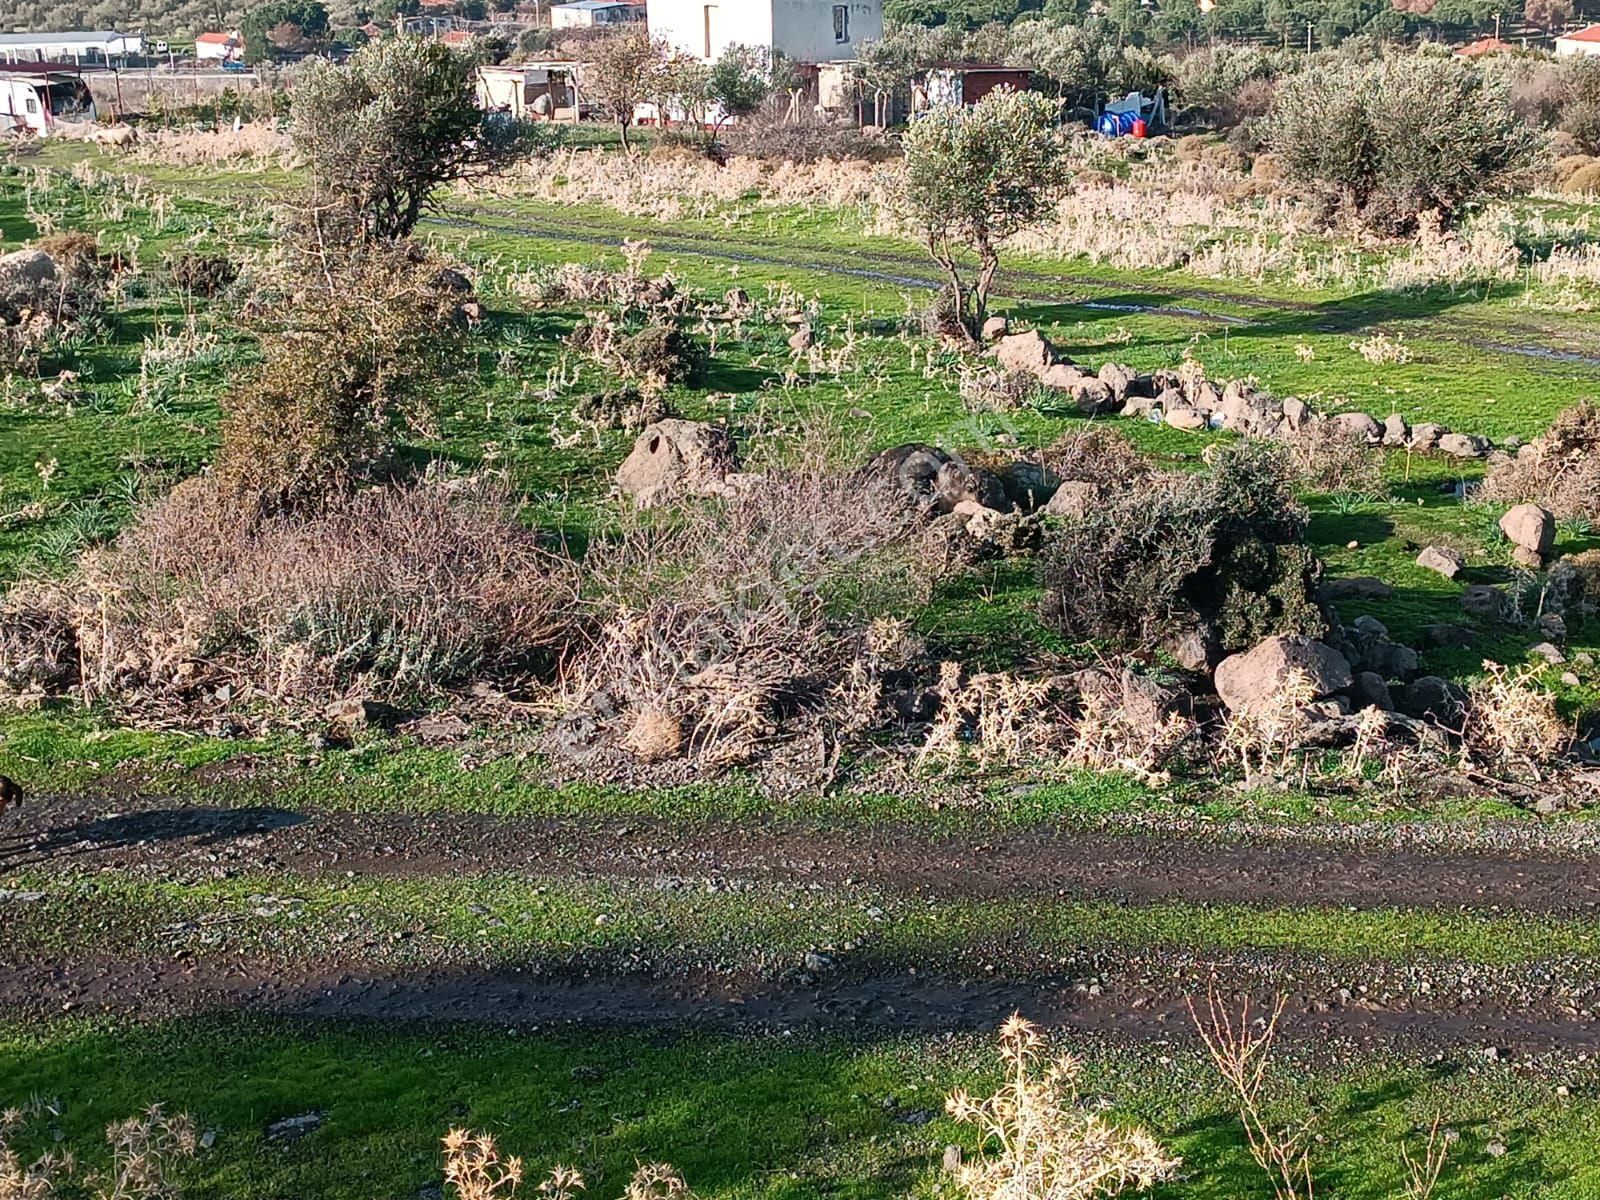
x,y
218,47
1580,41
587,14
806,31
107,46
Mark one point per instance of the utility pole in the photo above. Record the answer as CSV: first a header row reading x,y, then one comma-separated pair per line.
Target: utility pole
x,y
1308,37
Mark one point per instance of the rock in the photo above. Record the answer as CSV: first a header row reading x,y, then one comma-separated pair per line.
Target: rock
x,y
292,1129
995,328
1028,353
1571,680
27,267
1425,437
1370,691
354,713
912,706
1530,528
1204,397
1432,698
802,339
1261,673
1356,425
952,1160
1118,378
1063,377
1193,646
956,482
1484,602
676,458
1395,430
1554,626
1092,396
1442,559
912,468
1463,445
1356,587
1446,635
1186,419
1294,412
1073,500
1549,652
1029,484
1530,560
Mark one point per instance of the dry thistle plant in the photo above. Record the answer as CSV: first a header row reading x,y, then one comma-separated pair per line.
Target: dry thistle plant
x,y
474,1170
1106,737
1422,1174
146,1152
997,717
1240,1047
1045,1146
1511,720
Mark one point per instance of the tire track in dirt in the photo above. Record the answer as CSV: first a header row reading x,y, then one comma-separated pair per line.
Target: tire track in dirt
x,y
1133,1000
1040,287
158,837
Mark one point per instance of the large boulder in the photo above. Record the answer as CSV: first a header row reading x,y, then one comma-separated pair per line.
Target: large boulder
x,y
912,468
1463,445
1530,528
1073,500
1028,353
30,268
1357,426
957,483
1262,672
676,458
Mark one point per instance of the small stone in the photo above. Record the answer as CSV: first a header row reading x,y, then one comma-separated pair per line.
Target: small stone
x,y
1442,559
1548,652
1569,679
952,1159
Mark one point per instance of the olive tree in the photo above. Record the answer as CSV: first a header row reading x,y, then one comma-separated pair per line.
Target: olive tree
x,y
974,177
1391,140
623,70
402,118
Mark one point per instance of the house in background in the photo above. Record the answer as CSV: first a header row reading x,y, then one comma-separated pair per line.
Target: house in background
x,y
805,31
592,14
218,47
1579,41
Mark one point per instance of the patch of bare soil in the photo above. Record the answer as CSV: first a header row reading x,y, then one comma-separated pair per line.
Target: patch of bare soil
x,y
161,837
1140,1000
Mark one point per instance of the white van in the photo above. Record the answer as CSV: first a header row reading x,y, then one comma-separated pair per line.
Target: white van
x,y
41,102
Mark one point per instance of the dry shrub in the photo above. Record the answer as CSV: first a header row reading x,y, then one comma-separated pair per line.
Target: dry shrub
x,y
1560,470
147,1154
200,273
355,336
394,592
1266,736
1511,721
1099,455
1569,165
987,389
475,1170
1327,459
1046,1144
725,625
38,641
817,142
1107,736
997,718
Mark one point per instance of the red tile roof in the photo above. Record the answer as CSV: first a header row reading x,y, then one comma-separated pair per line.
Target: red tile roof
x,y
1488,45
456,37
216,39
1589,34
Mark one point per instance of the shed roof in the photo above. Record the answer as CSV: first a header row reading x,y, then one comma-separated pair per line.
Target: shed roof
x,y
18,41
1590,33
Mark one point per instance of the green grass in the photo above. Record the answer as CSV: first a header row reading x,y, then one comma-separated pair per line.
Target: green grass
x,y
505,919
768,1117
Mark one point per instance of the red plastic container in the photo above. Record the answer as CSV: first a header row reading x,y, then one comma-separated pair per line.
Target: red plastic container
x,y
1140,129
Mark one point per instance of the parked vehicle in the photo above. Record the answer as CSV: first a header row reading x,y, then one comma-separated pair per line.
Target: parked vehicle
x,y
36,98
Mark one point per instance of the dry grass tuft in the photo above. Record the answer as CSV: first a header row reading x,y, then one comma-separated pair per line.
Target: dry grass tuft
x,y
147,1154
1044,1145
256,146
1559,470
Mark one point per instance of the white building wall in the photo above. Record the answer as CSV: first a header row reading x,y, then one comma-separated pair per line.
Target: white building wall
x,y
805,30
1569,46
708,27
